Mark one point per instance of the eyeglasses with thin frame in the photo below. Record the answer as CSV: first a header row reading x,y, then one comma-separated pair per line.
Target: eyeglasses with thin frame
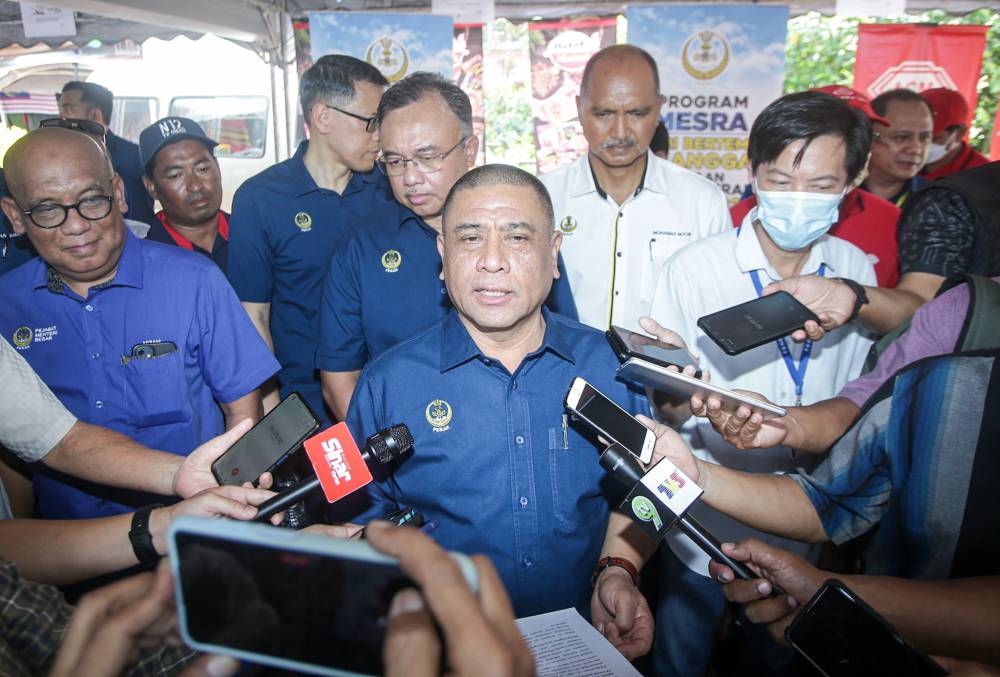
x,y
49,215
395,165
369,122
76,124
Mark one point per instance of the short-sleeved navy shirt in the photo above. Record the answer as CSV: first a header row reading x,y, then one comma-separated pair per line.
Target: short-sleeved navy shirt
x,y
384,284
282,232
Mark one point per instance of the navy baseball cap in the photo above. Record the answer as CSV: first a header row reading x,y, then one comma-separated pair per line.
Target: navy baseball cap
x,y
166,131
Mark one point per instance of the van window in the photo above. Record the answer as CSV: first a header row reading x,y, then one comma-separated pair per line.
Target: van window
x,y
238,123
132,114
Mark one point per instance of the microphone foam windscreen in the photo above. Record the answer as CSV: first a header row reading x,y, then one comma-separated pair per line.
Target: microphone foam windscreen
x,y
391,443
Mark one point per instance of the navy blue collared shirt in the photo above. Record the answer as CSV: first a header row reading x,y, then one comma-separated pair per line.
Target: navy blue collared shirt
x,y
125,159
82,348
494,462
282,232
384,284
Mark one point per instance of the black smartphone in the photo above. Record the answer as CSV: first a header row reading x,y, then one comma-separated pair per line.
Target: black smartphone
x,y
841,636
275,436
294,600
610,421
628,344
756,322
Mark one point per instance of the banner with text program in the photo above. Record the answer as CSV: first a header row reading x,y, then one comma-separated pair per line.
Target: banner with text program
x,y
720,65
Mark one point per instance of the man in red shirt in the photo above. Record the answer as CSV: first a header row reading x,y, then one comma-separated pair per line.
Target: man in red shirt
x,y
949,151
866,220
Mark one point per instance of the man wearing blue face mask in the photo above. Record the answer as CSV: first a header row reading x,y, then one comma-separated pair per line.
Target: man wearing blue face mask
x,y
806,151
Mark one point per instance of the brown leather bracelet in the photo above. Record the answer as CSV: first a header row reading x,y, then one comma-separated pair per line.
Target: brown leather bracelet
x,y
621,562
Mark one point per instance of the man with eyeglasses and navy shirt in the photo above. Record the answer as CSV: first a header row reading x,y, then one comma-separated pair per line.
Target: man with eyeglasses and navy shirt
x,y
139,337
289,219
385,282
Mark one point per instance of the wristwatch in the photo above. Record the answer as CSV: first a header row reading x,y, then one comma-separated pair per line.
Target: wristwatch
x,y
621,562
860,297
141,539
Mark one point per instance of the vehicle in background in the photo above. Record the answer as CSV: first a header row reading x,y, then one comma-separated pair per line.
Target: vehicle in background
x,y
224,87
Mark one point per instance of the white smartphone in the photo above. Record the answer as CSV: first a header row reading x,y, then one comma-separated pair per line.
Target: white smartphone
x,y
661,378
612,422
285,598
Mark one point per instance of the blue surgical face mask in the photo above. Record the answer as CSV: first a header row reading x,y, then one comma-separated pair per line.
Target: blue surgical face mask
x,y
795,220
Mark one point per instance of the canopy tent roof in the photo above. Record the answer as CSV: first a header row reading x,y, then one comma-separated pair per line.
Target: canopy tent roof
x,y
257,21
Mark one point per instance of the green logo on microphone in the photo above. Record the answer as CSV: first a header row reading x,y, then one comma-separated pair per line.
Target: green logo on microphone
x,y
646,511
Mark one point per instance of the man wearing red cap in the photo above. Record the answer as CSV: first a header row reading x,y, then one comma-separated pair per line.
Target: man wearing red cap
x,y
866,220
949,151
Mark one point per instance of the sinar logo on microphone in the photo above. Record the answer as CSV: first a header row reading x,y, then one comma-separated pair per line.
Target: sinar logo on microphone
x,y
333,451
438,414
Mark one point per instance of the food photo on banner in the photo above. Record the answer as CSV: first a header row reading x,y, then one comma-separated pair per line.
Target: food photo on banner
x,y
720,65
467,46
559,51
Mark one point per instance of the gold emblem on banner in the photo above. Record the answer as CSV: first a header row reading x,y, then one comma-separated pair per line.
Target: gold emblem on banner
x,y
705,55
389,56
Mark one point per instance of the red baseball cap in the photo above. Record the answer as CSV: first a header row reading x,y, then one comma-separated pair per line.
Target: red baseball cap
x,y
854,99
948,108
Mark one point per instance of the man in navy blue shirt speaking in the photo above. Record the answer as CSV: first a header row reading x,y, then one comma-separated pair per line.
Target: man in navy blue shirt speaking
x,y
494,460
384,283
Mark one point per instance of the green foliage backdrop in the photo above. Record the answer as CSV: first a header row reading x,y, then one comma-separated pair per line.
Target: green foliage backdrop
x,y
821,51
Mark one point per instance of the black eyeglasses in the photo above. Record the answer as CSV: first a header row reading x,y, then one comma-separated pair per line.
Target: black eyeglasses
x,y
369,122
77,124
52,214
395,165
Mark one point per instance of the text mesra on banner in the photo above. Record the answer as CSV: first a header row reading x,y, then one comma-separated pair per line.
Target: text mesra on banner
x,y
720,65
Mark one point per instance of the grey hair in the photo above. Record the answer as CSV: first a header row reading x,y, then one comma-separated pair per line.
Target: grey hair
x,y
332,79
487,176
417,85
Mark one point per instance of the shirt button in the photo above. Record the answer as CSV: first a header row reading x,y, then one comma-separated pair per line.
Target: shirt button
x,y
99,404
619,254
88,308
443,290
527,562
617,293
96,356
513,385
524,501
519,439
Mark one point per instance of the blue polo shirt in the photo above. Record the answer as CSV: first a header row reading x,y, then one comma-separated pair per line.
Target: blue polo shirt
x,y
384,284
82,347
493,460
282,232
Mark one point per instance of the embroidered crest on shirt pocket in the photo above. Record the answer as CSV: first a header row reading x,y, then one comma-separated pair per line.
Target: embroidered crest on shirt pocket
x,y
438,413
392,260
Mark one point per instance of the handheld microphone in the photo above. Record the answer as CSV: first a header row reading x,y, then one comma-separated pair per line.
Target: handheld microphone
x,y
341,468
666,486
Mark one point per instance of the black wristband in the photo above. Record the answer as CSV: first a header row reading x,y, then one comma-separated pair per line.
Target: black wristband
x,y
141,539
860,297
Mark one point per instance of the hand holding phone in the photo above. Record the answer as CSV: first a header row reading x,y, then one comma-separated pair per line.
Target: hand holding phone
x,y
756,322
279,433
610,421
841,636
629,344
290,599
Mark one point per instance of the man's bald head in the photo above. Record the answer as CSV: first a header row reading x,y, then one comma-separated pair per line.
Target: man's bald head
x,y
66,198
617,57
51,144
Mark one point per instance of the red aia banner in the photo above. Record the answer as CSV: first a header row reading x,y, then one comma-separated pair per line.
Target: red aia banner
x,y
919,57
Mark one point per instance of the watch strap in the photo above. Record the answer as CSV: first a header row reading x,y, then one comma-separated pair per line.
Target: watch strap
x,y
141,539
860,297
621,562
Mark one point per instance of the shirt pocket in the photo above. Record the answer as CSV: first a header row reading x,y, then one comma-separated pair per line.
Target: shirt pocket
x,y
155,392
576,475
658,250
